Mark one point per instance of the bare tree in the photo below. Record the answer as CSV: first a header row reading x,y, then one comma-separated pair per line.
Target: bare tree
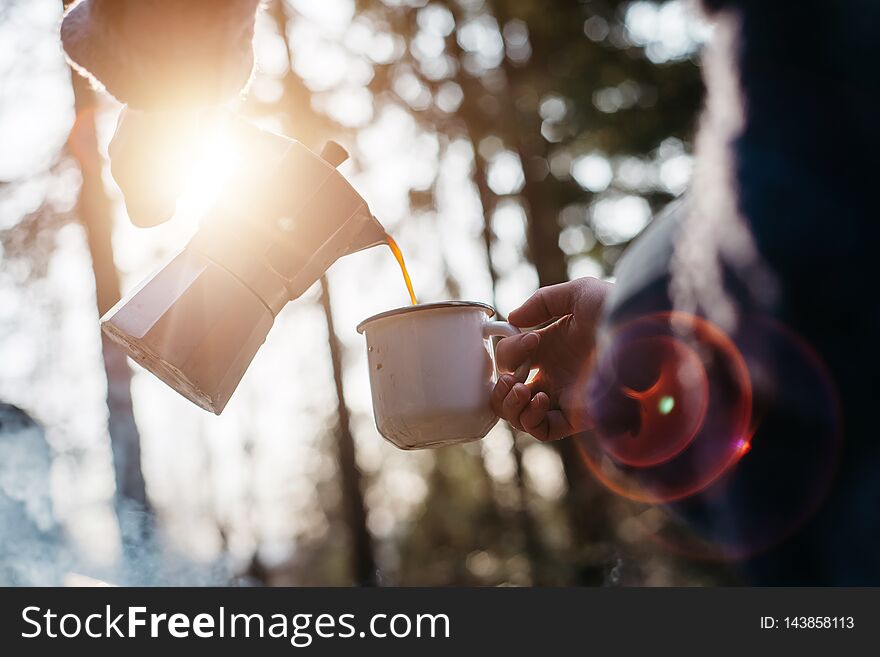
x,y
95,211
587,514
303,123
363,562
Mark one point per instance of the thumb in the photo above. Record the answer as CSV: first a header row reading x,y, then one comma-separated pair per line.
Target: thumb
x,y
547,303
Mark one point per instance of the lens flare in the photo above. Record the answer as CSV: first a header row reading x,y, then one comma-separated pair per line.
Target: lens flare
x,y
678,404
663,428
672,401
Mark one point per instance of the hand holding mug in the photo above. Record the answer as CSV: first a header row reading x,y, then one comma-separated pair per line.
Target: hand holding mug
x,y
553,404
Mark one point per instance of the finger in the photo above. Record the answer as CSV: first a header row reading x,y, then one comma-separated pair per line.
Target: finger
x,y
534,415
500,391
552,425
515,403
545,304
514,351
556,427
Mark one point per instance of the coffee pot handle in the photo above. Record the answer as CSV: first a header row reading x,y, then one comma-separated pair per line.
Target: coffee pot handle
x,y
506,330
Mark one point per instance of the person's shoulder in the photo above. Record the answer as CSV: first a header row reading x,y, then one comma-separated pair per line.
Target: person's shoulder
x,y
644,269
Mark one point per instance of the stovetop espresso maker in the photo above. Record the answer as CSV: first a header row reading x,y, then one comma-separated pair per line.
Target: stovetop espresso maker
x,y
284,218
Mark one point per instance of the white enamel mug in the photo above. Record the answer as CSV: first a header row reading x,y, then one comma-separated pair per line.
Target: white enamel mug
x,y
432,372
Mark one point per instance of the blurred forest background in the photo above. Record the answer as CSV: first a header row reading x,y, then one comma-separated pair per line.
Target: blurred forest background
x,y
506,144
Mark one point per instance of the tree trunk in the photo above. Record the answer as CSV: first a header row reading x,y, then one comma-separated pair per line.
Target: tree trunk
x,y
532,541
363,562
306,127
586,509
95,211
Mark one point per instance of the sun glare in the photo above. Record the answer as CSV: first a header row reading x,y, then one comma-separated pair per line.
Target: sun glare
x,y
206,171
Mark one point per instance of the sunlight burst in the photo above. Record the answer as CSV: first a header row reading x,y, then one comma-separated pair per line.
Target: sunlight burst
x,y
206,170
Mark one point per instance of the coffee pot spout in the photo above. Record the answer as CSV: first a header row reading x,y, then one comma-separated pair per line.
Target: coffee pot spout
x,y
370,234
360,232
345,220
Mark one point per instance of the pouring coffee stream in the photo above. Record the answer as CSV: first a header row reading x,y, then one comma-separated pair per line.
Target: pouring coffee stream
x,y
398,255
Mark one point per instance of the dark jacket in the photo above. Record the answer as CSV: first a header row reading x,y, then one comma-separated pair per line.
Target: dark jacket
x,y
804,504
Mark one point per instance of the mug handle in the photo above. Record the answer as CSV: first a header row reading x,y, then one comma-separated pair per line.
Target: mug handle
x,y
506,330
